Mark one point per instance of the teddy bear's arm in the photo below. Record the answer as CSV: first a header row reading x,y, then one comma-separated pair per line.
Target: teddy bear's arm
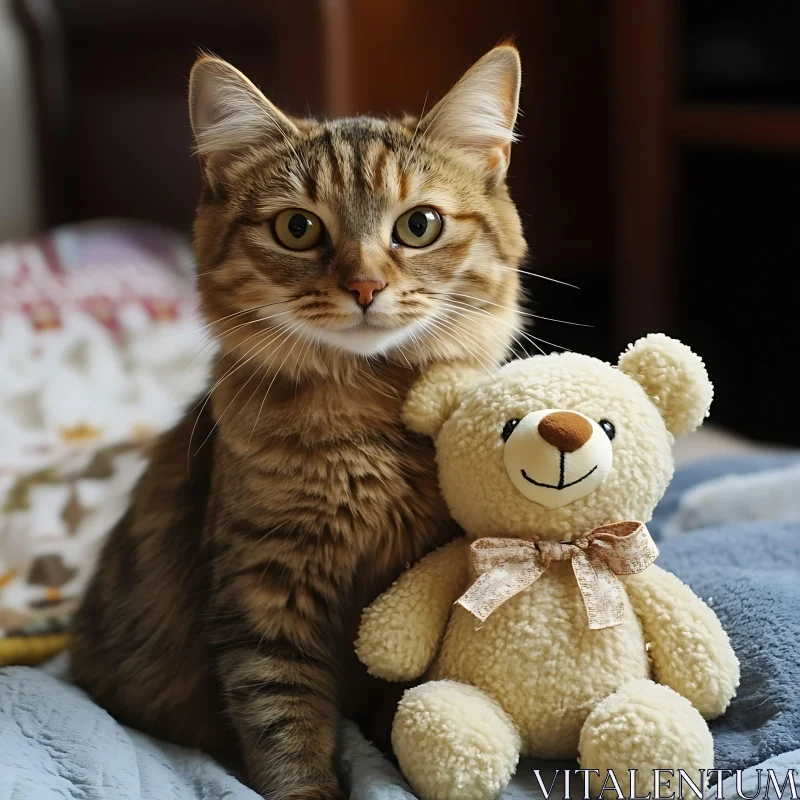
x,y
690,651
401,631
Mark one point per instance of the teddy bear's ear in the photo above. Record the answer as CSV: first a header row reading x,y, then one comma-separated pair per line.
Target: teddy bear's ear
x,y
436,395
674,377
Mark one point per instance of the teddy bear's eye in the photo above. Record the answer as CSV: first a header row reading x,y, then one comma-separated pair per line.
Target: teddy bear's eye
x,y
608,427
508,428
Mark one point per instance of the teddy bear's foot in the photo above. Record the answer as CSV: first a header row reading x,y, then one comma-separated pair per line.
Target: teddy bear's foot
x,y
453,742
645,726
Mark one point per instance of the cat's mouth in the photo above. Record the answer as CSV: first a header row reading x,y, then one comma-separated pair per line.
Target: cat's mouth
x,y
371,324
365,337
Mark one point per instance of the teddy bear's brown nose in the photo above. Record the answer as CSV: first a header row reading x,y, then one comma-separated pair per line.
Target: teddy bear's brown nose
x,y
565,430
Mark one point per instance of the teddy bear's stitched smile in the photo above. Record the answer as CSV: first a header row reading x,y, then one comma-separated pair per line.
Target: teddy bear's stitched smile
x,y
561,485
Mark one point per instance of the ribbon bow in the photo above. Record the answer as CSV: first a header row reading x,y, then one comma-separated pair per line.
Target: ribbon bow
x,y
507,566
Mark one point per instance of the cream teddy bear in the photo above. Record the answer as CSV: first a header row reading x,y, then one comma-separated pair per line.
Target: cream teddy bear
x,y
564,640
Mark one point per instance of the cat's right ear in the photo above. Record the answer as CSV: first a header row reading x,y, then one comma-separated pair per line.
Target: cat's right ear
x,y
432,400
479,113
229,113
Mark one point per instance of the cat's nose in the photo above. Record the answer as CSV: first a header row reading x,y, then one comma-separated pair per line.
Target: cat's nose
x,y
565,430
365,291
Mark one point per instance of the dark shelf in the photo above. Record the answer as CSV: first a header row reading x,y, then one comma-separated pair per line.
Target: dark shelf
x,y
741,127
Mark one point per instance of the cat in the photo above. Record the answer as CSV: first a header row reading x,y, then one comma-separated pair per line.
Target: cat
x,y
336,260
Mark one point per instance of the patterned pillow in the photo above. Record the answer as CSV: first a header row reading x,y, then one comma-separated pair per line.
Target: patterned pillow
x,y
98,327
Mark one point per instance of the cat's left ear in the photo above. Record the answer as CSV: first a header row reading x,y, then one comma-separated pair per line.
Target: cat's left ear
x,y
229,113
478,114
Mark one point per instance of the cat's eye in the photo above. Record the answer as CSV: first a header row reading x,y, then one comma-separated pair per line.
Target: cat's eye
x,y
508,429
298,229
608,428
419,227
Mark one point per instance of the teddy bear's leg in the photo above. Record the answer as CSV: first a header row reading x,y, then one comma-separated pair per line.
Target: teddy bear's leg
x,y
645,726
453,742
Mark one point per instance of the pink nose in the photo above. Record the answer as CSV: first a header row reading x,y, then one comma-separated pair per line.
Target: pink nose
x,y
364,291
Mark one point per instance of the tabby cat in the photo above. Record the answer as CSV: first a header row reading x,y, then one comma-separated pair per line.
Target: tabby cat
x,y
335,260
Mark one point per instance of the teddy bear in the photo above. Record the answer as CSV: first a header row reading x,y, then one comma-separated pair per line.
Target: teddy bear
x,y
547,630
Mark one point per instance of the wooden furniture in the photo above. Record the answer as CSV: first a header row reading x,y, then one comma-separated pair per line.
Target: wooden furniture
x,y
653,126
111,78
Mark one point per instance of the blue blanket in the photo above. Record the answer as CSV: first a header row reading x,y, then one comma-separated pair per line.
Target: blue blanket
x,y
56,743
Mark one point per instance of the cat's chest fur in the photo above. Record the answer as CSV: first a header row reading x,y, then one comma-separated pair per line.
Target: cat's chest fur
x,y
332,467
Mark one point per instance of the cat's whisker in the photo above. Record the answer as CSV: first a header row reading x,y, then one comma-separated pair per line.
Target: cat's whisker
x,y
530,337
514,310
202,404
467,308
203,347
301,360
391,393
517,331
414,135
277,372
241,325
470,351
240,313
240,362
303,165
443,104
537,275
469,334
460,330
437,339
301,356
215,340
401,352
284,329
370,363
467,314
255,355
255,391
438,324
415,342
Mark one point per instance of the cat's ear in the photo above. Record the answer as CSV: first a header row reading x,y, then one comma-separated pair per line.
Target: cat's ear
x,y
229,113
478,114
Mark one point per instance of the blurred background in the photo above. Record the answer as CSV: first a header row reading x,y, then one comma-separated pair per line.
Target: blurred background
x,y
658,166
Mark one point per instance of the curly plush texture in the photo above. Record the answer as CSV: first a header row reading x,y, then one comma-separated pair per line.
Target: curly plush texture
x,y
674,377
401,631
649,726
465,745
521,654
436,395
689,649
534,679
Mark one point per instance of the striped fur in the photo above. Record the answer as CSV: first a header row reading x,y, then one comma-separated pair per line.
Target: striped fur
x,y
225,604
